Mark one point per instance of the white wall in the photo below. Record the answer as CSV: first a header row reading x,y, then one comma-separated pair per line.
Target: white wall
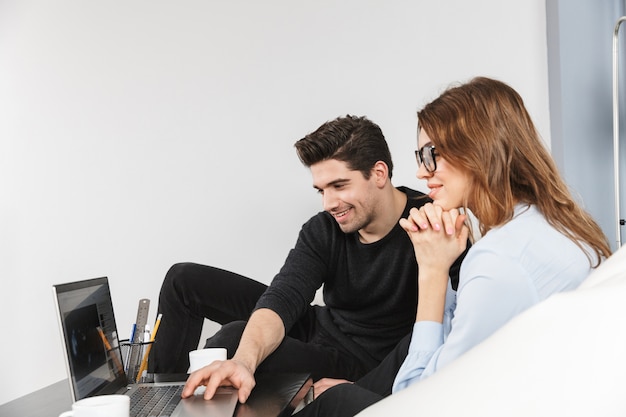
x,y
135,134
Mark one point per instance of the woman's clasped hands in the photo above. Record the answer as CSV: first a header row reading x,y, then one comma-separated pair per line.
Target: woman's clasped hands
x,y
439,236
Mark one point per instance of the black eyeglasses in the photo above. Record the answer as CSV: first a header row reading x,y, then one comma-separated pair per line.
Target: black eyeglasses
x,y
426,155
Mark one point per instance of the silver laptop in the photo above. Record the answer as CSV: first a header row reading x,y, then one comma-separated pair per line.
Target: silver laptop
x,y
94,360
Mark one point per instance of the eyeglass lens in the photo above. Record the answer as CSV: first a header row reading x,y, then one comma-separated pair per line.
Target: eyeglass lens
x,y
426,155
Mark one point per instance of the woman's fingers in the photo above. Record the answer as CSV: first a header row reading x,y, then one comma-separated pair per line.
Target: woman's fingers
x,y
423,218
434,215
431,216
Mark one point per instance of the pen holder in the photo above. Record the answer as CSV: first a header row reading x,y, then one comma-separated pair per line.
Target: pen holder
x,y
133,355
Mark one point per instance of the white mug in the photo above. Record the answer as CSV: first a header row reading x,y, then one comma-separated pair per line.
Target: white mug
x,y
203,357
100,406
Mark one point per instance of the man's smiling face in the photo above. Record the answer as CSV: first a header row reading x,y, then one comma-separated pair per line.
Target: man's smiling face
x,y
346,194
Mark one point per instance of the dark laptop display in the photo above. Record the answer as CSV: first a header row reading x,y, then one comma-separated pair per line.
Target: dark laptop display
x,y
93,353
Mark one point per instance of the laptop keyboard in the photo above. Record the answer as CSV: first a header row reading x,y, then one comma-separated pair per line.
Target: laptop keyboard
x,y
155,401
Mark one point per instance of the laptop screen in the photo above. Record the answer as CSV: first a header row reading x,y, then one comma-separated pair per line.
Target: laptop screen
x,y
92,350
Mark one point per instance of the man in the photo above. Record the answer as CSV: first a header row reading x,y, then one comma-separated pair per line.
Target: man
x,y
355,248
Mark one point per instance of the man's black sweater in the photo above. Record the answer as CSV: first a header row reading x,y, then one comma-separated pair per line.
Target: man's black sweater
x,y
370,290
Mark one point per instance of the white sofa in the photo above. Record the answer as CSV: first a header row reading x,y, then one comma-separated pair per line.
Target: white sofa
x,y
564,357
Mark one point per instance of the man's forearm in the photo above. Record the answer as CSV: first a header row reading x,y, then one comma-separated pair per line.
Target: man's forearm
x,y
263,333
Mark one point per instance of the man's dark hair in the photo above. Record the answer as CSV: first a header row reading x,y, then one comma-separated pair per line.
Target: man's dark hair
x,y
357,141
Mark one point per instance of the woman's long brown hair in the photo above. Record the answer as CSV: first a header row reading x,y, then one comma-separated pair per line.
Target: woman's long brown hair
x,y
483,128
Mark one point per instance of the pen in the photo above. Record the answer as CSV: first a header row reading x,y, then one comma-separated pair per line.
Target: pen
x,y
146,334
144,361
130,345
145,341
132,333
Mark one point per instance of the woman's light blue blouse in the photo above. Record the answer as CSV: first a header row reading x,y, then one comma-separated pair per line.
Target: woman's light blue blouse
x,y
510,269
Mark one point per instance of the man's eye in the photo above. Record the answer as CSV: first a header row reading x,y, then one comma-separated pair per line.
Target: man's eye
x,y
320,192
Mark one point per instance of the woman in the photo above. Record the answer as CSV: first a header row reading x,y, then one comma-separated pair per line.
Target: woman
x,y
478,150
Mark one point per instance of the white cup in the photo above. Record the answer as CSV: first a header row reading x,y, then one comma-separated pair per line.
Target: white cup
x,y
100,406
203,357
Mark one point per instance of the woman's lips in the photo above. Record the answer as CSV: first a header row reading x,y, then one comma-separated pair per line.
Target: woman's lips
x,y
434,189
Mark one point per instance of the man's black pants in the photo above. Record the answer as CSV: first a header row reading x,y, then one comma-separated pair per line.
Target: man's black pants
x,y
347,400
192,292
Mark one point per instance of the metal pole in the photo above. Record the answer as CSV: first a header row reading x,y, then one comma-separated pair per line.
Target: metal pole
x,y
618,221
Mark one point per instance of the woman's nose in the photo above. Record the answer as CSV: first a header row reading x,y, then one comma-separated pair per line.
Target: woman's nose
x,y
422,172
